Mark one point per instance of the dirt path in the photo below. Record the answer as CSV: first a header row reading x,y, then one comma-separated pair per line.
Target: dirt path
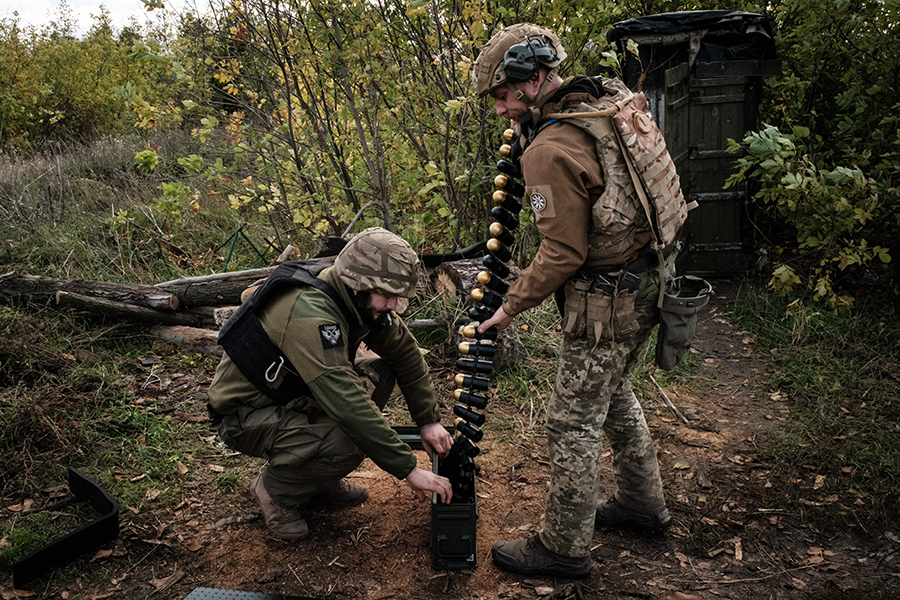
x,y
734,535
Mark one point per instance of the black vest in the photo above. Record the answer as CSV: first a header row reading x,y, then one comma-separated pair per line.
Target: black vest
x,y
255,355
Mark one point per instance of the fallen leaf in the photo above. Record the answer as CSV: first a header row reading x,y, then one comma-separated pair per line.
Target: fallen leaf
x,y
166,582
152,495
25,506
181,468
64,595
217,468
543,590
820,482
815,560
193,545
681,465
101,554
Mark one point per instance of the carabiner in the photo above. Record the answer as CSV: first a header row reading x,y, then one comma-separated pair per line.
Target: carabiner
x,y
277,365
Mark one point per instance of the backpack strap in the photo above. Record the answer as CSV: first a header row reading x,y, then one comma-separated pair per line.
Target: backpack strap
x,y
257,357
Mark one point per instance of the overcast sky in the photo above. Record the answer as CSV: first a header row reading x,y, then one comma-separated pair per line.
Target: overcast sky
x,y
38,12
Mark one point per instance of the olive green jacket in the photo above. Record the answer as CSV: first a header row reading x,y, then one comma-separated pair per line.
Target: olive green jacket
x,y
297,321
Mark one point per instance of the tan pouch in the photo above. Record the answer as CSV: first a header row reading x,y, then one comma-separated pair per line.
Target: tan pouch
x,y
611,318
626,324
599,315
573,321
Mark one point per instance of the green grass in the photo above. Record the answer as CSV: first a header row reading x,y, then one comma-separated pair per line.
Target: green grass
x,y
30,533
838,375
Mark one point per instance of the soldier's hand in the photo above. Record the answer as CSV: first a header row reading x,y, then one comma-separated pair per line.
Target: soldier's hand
x,y
436,439
422,482
500,320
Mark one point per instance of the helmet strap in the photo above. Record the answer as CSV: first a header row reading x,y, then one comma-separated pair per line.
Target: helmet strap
x,y
542,91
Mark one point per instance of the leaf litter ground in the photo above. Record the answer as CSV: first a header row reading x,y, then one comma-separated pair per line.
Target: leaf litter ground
x,y
735,533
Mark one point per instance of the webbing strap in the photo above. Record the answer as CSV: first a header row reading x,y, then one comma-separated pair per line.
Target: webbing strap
x,y
645,202
257,357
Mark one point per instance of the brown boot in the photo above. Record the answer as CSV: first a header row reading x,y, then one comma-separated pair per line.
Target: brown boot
x,y
341,494
612,514
285,523
531,557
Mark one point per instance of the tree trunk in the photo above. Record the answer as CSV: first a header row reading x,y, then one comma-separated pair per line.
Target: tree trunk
x,y
124,311
221,289
41,290
204,341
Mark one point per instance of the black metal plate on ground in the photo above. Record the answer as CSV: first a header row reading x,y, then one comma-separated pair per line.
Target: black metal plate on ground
x,y
214,594
61,552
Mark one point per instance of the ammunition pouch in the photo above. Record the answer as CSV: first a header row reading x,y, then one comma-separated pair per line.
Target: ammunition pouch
x,y
606,314
684,297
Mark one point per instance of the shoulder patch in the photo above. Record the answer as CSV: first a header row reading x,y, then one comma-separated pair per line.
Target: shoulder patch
x,y
538,202
330,334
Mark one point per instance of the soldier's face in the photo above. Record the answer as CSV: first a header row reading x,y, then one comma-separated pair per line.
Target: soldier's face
x,y
379,306
507,105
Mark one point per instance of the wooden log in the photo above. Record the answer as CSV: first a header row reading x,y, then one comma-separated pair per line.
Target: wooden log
x,y
460,276
220,289
204,341
40,290
122,310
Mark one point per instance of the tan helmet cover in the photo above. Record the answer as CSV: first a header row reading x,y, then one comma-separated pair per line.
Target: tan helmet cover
x,y
377,260
487,72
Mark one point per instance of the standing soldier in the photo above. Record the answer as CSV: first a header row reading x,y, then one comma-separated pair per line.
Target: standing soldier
x,y
596,256
289,389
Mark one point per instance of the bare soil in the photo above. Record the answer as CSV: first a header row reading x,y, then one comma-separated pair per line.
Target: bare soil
x,y
736,533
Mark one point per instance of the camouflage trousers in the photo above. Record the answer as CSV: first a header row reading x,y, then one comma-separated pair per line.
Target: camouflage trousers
x,y
593,395
305,452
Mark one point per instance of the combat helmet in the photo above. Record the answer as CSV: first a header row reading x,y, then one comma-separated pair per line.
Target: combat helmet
x,y
514,54
377,260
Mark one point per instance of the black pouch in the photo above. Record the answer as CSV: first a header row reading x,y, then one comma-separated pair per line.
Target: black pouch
x,y
683,299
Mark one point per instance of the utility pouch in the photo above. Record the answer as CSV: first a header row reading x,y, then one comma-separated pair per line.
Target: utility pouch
x,y
684,297
577,292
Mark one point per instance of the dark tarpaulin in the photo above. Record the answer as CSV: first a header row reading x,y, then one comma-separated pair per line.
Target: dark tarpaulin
x,y
729,34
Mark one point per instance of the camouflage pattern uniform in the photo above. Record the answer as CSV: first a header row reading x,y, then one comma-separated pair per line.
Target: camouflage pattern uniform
x,y
603,336
593,395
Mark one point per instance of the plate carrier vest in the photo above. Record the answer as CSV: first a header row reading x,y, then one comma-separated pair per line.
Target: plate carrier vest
x,y
249,347
638,168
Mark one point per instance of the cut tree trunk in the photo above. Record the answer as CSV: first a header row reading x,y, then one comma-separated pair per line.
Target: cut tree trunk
x,y
41,290
220,289
124,311
204,341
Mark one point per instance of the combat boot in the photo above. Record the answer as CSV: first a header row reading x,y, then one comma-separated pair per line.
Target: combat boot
x,y
285,523
611,514
531,557
341,494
